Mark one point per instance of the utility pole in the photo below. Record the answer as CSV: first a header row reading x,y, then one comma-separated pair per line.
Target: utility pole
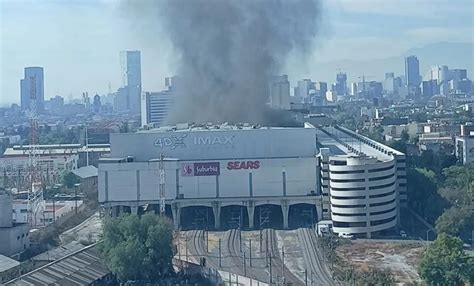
x,y
220,254
245,266
250,246
270,269
282,262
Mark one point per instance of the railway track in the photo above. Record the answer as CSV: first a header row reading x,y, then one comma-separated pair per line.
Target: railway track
x,y
281,275
317,270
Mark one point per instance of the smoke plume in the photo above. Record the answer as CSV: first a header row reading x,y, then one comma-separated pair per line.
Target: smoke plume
x,y
228,51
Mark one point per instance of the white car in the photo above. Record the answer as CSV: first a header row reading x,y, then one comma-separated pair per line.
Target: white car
x,y
346,235
403,234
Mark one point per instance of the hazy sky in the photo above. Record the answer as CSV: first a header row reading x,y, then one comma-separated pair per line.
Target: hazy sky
x,y
78,42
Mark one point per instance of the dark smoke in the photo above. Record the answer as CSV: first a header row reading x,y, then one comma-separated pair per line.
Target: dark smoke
x,y
229,49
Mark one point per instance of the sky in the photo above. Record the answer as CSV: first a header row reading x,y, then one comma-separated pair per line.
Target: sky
x,y
78,41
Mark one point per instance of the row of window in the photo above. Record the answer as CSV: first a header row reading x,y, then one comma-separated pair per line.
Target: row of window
x,y
383,221
348,206
363,224
382,186
347,180
381,169
348,172
382,195
381,178
348,198
382,212
382,203
348,189
350,215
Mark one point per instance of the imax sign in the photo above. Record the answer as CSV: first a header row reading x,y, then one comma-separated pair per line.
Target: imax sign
x,y
174,142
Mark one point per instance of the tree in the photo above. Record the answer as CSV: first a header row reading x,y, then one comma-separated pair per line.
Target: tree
x,y
457,221
138,248
405,137
70,179
445,263
422,193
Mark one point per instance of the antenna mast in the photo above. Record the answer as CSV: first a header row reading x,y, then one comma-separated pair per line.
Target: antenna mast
x,y
35,191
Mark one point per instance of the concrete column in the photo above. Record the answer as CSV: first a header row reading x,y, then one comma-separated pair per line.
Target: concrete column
x,y
285,211
134,210
115,210
319,210
121,210
216,209
176,211
251,211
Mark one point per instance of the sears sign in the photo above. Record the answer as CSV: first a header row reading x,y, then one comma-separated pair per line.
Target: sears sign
x,y
200,169
246,165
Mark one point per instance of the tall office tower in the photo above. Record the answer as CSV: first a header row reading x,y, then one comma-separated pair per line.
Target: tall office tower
x,y
97,104
458,74
341,84
412,71
280,92
354,89
322,87
131,80
389,83
32,85
303,88
441,75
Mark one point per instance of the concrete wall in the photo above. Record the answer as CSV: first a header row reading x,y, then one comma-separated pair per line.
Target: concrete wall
x,y
212,145
138,181
14,239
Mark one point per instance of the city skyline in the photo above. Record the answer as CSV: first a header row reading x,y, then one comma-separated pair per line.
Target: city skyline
x,y
346,33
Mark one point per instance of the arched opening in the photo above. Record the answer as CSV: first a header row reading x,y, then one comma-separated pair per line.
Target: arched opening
x,y
196,217
302,215
268,216
234,216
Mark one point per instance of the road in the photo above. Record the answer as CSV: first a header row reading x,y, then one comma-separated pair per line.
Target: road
x,y
88,230
317,270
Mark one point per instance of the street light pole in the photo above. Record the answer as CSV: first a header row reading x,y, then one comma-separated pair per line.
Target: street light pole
x,y
75,195
427,237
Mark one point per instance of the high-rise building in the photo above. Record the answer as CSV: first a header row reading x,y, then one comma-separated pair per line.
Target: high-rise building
x,y
412,71
157,105
429,88
56,104
458,74
96,103
131,80
280,92
340,86
32,86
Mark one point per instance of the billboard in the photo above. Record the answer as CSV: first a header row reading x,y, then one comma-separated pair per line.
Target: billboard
x,y
200,169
